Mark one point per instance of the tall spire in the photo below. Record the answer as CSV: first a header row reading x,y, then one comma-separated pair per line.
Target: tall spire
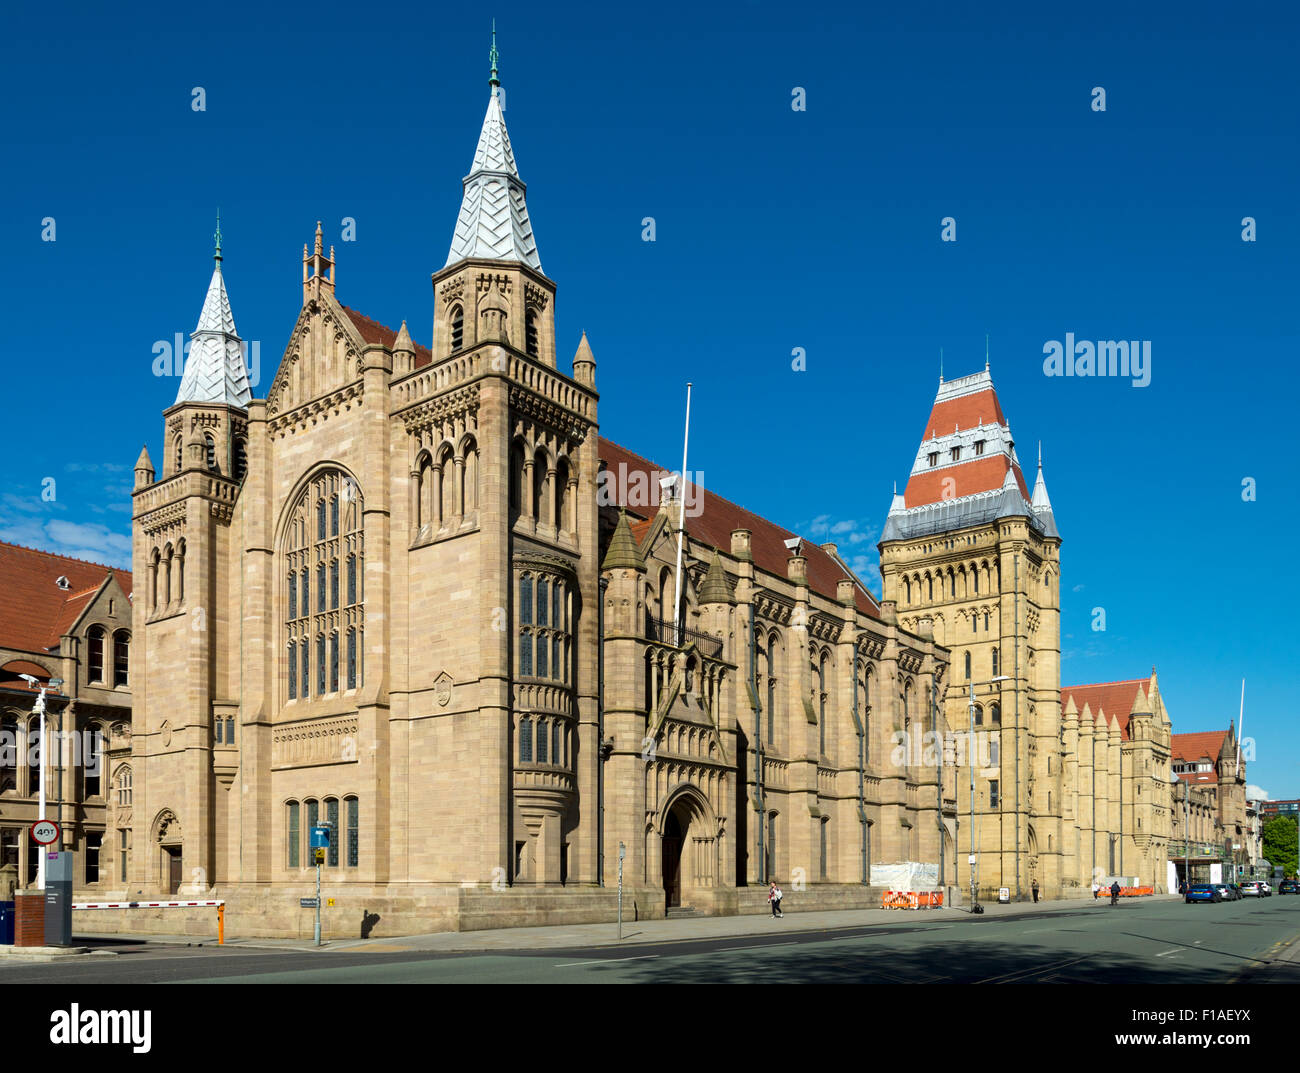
x,y
1040,502
493,222
216,237
214,371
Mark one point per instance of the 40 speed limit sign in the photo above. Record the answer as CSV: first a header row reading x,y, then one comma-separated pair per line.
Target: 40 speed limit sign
x,y
45,832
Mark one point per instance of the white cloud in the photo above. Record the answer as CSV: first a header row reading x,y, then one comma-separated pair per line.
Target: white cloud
x,y
1077,588
97,543
1256,793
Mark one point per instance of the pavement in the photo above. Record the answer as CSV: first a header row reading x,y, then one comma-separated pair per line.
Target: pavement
x,y
676,929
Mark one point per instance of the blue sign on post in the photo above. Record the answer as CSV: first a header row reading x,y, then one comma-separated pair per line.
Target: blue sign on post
x,y
320,837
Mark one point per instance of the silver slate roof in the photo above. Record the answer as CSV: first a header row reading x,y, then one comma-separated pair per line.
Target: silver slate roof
x,y
214,371
904,523
493,221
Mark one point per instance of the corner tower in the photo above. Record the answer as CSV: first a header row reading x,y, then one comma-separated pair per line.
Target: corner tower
x,y
967,546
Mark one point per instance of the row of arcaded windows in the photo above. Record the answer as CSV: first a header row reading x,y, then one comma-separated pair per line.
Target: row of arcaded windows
x,y
167,576
543,740
456,318
239,459
544,626
542,492
344,819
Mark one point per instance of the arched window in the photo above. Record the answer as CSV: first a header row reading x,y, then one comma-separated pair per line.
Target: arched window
x,y
332,817
121,658
979,717
35,747
555,742
975,579
8,757
354,831
293,837
995,663
930,583
95,654
178,454
995,714
541,498
210,449
423,490
469,478
541,742
821,695
447,482
562,499
323,532
122,784
771,689
967,662
532,337
241,458
525,740
457,319
153,579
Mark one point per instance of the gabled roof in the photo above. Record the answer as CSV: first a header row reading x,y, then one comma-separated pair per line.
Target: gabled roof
x,y
716,519
1204,745
1114,699
34,611
493,220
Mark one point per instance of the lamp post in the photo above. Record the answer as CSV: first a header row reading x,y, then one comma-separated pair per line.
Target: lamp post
x,y
1187,849
39,709
970,763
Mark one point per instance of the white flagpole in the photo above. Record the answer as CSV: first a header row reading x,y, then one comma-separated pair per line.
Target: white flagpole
x,y
1241,716
681,524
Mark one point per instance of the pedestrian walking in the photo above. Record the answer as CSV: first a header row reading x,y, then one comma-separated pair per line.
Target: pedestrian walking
x,y
774,898
1096,890
1034,887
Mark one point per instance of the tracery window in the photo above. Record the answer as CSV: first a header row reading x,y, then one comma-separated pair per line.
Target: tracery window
x,y
545,625
324,530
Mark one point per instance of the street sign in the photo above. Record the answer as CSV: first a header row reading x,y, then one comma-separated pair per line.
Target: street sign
x,y
329,901
309,903
45,832
320,836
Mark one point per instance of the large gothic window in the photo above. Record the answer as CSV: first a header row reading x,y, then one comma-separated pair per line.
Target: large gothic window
x,y
545,626
322,539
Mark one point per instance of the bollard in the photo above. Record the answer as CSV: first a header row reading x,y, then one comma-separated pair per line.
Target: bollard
x,y
221,925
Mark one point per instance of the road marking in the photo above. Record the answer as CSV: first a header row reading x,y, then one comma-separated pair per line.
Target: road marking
x,y
1004,978
606,961
1171,950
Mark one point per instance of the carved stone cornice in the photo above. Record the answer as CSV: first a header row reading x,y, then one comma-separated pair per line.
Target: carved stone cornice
x,y
312,412
461,403
549,414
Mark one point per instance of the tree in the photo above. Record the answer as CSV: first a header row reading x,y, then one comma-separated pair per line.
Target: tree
x,y
1280,843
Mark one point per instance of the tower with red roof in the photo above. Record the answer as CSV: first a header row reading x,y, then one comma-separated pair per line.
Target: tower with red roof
x,y
971,550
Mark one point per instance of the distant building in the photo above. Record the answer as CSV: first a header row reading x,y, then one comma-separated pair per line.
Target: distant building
x,y
67,619
1219,827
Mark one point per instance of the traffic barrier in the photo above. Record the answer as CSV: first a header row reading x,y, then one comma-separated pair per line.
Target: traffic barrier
x,y
911,899
218,905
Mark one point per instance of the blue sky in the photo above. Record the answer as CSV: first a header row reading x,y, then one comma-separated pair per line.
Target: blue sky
x,y
775,229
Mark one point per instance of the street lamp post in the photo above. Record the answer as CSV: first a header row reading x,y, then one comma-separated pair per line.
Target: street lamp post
x,y
970,763
39,709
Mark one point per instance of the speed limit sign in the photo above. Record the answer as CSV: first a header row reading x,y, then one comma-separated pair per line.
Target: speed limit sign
x,y
45,832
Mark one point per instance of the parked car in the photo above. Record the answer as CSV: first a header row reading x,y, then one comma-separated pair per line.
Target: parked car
x,y
1226,892
1250,889
1202,892
1289,886
1266,888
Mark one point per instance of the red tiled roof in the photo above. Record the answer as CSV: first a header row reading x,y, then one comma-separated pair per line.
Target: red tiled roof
x,y
1113,698
34,611
374,332
963,412
977,475
718,517
1205,745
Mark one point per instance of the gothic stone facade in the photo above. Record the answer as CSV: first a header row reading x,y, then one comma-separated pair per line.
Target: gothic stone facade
x,y
374,599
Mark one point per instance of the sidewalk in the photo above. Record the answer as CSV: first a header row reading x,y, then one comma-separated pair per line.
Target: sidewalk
x,y
636,933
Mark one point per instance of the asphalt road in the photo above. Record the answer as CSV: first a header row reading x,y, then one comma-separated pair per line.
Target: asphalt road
x,y
1158,942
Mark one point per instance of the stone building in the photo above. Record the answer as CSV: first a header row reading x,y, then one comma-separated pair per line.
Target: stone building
x,y
68,620
1219,828
1061,786
408,594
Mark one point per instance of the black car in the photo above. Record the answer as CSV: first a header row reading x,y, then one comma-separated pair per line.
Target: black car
x,y
1289,886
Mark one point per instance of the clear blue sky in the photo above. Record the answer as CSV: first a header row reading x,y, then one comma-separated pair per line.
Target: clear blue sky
x,y
776,229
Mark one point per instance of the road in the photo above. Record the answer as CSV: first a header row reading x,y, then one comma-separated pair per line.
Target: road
x,y
1138,942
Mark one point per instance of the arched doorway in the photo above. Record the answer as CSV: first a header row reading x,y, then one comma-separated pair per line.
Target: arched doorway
x,y
672,862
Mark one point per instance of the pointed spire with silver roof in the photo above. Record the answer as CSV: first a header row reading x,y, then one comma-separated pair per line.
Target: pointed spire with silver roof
x,y
1040,502
493,221
214,371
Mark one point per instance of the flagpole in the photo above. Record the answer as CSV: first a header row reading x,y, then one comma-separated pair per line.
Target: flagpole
x,y
681,523
1241,716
